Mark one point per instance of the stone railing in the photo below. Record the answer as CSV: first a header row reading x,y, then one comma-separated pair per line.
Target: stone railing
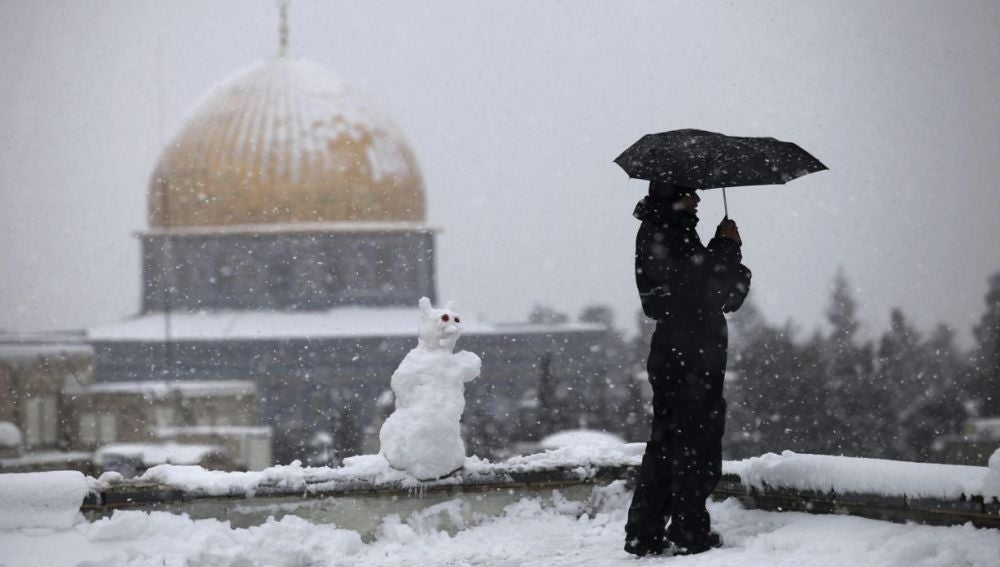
x,y
357,495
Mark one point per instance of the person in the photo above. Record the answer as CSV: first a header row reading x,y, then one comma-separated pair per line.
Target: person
x,y
686,287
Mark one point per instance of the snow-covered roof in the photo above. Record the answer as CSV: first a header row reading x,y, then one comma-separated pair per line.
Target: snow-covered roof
x,y
220,430
45,458
152,454
344,322
985,427
184,388
34,344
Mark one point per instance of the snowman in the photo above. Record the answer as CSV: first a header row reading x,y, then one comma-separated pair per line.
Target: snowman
x,y
423,435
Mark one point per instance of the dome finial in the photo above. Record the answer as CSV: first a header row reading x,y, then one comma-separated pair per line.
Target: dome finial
x,y
283,28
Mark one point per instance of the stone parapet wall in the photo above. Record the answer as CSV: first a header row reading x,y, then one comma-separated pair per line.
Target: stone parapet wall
x,y
367,483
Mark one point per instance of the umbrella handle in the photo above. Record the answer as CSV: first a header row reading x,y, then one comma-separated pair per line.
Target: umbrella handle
x,y
725,204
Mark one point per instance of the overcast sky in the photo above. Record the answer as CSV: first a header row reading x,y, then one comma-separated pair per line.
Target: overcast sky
x,y
515,111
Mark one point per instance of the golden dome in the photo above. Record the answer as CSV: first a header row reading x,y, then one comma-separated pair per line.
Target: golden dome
x,y
285,141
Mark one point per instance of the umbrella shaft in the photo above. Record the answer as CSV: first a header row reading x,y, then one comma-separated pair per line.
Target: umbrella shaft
x,y
725,203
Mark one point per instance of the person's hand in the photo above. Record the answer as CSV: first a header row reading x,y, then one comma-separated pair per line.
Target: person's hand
x,y
728,230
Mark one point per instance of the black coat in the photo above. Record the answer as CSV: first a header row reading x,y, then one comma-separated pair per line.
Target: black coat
x,y
680,279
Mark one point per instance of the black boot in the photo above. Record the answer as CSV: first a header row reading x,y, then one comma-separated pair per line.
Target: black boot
x,y
642,547
701,545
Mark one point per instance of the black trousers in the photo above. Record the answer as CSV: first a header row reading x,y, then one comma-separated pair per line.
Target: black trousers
x,y
683,460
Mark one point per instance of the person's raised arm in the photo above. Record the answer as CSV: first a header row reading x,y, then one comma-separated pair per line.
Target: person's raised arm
x,y
729,279
724,249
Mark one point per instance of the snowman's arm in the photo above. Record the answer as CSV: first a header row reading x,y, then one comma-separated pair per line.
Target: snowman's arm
x,y
405,378
470,364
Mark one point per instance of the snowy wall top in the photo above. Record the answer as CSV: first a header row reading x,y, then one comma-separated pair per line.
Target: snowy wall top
x,y
285,141
843,475
788,471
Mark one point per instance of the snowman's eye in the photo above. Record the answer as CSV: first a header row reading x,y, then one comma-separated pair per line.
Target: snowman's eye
x,y
445,318
457,320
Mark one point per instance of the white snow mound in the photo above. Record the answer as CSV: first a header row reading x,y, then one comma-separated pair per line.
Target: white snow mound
x,y
41,500
991,484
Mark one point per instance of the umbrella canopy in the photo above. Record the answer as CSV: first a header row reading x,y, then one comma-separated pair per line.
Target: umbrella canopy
x,y
704,160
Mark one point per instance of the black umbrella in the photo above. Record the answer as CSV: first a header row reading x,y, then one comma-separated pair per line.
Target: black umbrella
x,y
705,160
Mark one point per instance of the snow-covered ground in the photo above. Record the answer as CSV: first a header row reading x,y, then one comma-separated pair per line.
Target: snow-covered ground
x,y
526,534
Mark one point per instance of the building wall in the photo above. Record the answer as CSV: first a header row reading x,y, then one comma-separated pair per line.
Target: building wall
x,y
97,418
332,384
31,380
247,447
288,270
102,419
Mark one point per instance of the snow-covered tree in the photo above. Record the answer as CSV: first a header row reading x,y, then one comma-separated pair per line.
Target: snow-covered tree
x,y
901,365
615,402
777,398
856,408
986,357
943,410
544,315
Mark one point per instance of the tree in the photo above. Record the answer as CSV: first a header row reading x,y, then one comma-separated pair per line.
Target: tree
x,y
550,401
601,315
986,356
615,403
745,324
943,410
640,391
856,412
544,315
901,374
777,390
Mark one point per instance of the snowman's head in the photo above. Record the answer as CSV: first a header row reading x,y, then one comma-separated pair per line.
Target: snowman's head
x,y
439,328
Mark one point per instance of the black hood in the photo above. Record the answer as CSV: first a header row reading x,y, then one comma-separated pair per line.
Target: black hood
x,y
650,209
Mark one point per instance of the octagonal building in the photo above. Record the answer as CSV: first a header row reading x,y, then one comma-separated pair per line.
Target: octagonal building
x,y
285,189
